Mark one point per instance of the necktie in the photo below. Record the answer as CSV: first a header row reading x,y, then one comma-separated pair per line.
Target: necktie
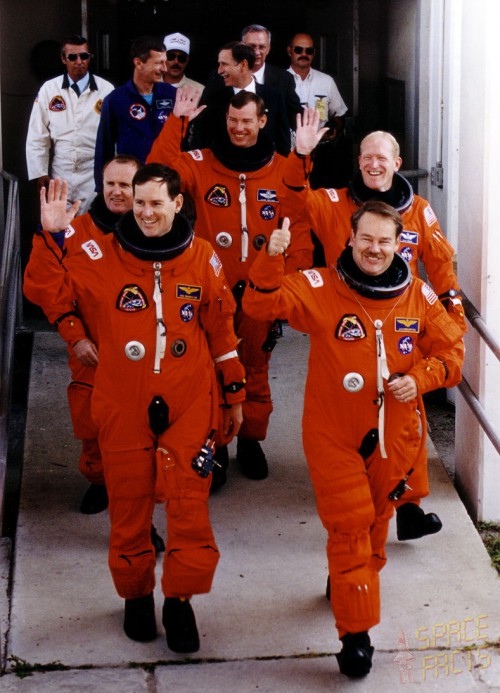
x,y
76,88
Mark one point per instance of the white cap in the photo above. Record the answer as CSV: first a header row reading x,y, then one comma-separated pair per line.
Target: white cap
x,y
177,42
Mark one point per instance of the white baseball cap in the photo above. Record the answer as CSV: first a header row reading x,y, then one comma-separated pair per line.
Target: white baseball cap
x,y
177,41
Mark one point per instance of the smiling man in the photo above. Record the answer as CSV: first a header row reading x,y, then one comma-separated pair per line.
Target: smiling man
x,y
63,124
259,39
133,114
167,364
235,64
379,340
59,239
236,185
329,211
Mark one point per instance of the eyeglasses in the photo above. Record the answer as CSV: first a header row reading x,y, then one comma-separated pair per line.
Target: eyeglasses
x,y
180,57
299,49
74,56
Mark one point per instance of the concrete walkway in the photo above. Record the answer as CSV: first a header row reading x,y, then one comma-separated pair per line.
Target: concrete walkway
x,y
266,626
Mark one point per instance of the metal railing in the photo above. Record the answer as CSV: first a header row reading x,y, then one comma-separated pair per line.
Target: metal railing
x,y
464,387
10,311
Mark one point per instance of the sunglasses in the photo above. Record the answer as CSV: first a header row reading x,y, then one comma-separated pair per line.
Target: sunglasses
x,y
180,57
299,49
74,56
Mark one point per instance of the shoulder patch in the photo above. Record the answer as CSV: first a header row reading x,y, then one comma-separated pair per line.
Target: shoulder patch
x,y
350,328
57,103
131,299
70,231
216,264
92,249
313,277
196,154
332,194
429,215
429,294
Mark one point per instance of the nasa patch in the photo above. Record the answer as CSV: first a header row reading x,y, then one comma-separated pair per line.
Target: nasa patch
x,y
98,106
70,231
137,111
268,212
350,328
131,299
188,291
409,237
332,194
218,196
216,264
407,325
187,312
264,195
314,278
405,345
162,116
406,253
92,250
57,103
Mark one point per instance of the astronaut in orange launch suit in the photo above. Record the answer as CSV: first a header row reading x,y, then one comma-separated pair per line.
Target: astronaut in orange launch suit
x,y
166,345
328,213
380,338
236,185
42,280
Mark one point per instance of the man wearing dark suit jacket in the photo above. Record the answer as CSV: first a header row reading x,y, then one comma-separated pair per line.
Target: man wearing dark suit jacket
x,y
235,63
258,37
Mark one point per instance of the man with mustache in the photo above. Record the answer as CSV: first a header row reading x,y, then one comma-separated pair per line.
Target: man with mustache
x,y
318,90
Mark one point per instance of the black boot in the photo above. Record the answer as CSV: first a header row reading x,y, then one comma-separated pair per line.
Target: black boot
x,y
157,541
413,523
355,659
140,621
180,625
95,500
219,471
251,459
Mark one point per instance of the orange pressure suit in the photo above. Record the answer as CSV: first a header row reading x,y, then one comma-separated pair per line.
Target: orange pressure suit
x,y
42,286
343,417
329,212
237,193
165,315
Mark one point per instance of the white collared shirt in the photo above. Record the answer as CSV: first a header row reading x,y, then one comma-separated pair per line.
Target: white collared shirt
x,y
319,91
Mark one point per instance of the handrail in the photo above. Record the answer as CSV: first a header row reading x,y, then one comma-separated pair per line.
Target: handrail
x,y
477,322
10,313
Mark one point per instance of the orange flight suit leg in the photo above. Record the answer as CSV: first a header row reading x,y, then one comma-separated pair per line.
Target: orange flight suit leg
x,y
79,397
191,554
132,460
257,406
356,518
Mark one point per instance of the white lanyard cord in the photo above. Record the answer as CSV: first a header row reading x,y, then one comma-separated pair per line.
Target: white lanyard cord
x,y
244,229
161,329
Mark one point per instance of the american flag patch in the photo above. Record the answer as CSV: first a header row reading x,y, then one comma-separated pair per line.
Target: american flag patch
x,y
429,294
216,264
429,215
